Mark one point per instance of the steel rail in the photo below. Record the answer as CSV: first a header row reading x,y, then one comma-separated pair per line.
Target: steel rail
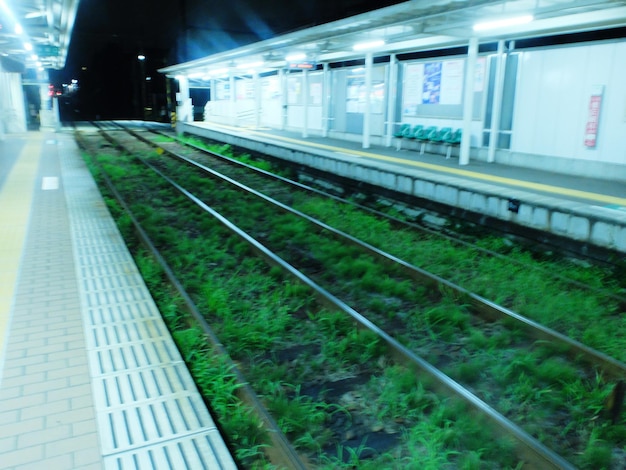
x,y
529,449
486,309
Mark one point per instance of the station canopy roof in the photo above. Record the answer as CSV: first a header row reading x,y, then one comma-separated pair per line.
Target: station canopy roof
x,y
37,33
412,26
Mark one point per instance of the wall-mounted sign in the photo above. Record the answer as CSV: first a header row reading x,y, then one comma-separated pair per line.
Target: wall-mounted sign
x,y
304,65
593,116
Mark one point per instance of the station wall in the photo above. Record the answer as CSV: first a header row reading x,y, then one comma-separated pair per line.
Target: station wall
x,y
552,106
564,107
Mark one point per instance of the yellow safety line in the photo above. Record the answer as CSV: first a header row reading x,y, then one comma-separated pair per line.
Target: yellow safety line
x,y
454,171
15,203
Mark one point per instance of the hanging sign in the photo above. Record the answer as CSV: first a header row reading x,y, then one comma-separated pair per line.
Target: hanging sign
x,y
304,65
593,115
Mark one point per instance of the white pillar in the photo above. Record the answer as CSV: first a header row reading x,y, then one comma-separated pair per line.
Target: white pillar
x,y
468,101
496,105
282,77
368,92
257,99
184,112
326,101
56,115
305,103
233,99
392,90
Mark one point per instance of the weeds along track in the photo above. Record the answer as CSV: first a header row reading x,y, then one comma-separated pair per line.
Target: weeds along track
x,y
531,381
476,266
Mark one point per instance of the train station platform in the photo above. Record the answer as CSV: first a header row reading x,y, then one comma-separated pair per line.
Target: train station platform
x,y
586,210
90,377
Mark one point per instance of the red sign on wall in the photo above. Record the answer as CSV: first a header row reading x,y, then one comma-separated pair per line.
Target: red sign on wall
x,y
593,116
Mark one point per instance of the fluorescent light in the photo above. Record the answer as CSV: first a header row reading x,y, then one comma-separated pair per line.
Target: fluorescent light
x,y
35,14
296,56
361,46
141,57
503,23
18,28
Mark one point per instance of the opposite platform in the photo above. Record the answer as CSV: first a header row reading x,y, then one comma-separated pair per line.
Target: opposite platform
x,y
589,212
89,375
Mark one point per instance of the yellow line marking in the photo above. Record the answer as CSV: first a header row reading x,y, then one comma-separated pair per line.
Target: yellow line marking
x,y
15,203
454,171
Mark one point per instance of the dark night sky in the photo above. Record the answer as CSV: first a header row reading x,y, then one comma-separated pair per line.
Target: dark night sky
x,y
109,34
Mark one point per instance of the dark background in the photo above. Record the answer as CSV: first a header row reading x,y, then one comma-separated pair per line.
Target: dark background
x,y
109,35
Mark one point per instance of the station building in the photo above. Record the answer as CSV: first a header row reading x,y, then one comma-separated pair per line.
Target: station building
x,y
537,84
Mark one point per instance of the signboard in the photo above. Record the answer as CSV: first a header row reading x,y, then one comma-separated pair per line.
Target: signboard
x,y
451,87
593,116
305,65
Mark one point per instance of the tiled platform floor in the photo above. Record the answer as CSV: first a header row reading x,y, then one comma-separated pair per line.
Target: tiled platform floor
x,y
89,376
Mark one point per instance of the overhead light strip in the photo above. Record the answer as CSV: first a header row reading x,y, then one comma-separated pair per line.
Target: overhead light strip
x,y
503,23
363,46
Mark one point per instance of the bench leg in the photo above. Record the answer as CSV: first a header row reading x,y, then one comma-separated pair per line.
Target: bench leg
x,y
448,152
423,147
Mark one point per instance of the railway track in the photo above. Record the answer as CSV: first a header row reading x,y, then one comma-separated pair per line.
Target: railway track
x,y
424,322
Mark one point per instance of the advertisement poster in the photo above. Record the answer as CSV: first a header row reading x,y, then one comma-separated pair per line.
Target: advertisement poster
x,y
593,116
413,85
451,87
270,88
432,83
222,91
294,93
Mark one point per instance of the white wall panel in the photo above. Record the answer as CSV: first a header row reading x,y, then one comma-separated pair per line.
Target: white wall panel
x,y
314,119
552,102
271,114
612,137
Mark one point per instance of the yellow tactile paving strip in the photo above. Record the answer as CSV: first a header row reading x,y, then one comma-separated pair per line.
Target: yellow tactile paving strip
x,y
16,198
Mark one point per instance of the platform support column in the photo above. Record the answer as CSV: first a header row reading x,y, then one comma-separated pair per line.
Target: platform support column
x,y
282,78
392,90
468,101
326,101
368,92
184,111
233,99
257,99
496,109
305,103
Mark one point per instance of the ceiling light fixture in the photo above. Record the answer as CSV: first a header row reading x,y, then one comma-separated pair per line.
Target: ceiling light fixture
x,y
35,14
296,56
503,23
362,46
